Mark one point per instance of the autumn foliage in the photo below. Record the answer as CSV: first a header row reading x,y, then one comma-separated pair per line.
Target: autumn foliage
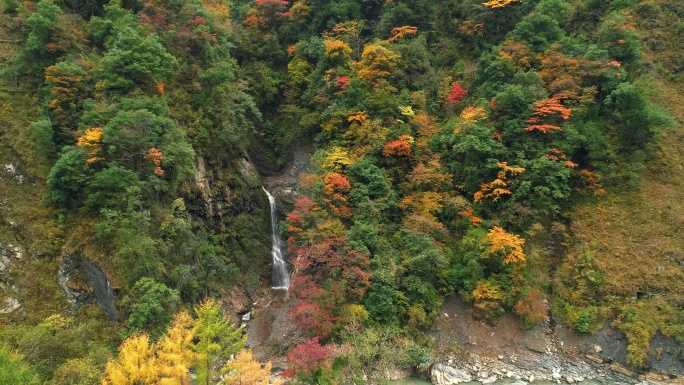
x,y
399,32
308,359
244,369
279,4
533,307
498,3
473,114
498,187
470,214
517,53
408,133
342,82
509,246
591,181
471,28
91,141
377,62
335,190
136,364
327,271
399,147
457,93
547,108
487,299
156,156
337,49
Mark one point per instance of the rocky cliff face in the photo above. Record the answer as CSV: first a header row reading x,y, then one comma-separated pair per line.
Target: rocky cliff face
x,y
284,185
228,200
84,283
218,194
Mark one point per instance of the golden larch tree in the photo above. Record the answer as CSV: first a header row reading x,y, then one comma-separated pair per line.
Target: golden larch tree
x,y
174,354
135,365
244,369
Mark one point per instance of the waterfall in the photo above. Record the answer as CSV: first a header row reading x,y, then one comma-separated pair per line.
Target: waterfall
x,y
281,276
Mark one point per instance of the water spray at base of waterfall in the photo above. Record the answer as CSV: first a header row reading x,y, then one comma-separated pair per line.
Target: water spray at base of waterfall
x,y
281,275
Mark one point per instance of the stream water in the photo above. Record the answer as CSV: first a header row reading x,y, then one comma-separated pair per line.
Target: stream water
x,y
281,275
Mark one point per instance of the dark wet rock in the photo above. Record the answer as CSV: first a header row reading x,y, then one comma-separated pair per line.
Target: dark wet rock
x,y
612,344
84,282
102,289
667,355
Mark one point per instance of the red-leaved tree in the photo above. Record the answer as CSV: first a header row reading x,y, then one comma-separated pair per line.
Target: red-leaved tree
x,y
309,361
457,93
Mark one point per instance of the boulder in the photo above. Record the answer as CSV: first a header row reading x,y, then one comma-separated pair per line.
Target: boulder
x,y
446,375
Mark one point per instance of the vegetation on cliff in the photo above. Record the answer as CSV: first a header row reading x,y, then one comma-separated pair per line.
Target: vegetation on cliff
x,y
457,142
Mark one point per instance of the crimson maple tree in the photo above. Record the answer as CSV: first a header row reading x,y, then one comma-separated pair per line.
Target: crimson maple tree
x,y
457,93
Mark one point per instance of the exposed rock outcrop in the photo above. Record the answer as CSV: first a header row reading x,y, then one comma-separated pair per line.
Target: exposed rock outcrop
x,y
217,195
84,282
285,184
547,352
446,375
227,199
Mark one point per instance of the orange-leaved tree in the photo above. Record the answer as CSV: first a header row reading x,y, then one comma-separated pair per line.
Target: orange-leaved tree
x,y
156,156
336,188
498,187
545,109
399,147
399,32
591,181
470,214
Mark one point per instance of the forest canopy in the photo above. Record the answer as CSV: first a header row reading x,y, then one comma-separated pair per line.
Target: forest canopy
x,y
451,139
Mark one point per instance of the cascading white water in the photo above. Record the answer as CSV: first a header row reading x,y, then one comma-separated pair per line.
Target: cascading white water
x,y
281,275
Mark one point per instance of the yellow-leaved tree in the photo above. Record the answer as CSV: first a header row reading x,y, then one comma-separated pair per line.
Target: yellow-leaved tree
x,y
244,369
498,3
174,352
135,365
507,245
91,141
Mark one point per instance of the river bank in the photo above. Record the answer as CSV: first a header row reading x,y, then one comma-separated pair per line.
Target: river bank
x,y
472,350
